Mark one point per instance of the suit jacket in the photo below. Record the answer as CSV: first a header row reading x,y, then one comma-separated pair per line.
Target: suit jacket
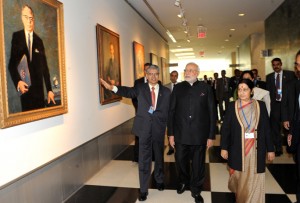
x,y
192,115
136,83
287,76
220,88
232,133
146,124
38,69
170,85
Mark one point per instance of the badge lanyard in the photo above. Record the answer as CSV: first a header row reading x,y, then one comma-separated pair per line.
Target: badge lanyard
x,y
248,124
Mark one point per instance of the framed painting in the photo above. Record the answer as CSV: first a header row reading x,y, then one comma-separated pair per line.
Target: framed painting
x,y
109,69
32,57
139,60
154,61
165,71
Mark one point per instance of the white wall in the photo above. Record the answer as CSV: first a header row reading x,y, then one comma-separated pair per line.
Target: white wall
x,y
25,147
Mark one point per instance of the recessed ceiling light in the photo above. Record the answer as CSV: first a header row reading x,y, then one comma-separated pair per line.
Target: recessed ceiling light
x,y
187,57
178,46
226,40
232,29
241,14
181,50
185,54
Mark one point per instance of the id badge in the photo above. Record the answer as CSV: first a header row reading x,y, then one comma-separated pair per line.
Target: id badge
x,y
279,91
249,135
151,110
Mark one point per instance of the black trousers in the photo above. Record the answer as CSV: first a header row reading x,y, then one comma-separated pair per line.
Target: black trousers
x,y
145,161
136,149
276,126
190,163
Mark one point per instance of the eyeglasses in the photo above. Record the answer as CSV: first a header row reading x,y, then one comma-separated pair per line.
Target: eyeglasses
x,y
153,74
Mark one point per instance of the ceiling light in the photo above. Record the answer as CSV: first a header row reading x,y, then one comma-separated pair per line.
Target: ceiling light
x,y
232,29
180,15
188,40
241,14
177,3
226,40
181,50
186,57
184,23
171,36
185,54
186,30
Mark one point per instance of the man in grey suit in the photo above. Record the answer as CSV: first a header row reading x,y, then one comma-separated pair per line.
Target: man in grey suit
x,y
149,124
171,85
191,126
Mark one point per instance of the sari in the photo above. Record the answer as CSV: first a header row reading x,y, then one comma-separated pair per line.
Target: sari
x,y
248,185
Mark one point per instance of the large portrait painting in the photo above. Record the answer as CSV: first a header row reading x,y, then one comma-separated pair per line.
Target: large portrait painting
x,y
109,68
33,81
139,60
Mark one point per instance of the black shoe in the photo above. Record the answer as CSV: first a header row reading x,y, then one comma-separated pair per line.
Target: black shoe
x,y
170,152
160,186
198,198
278,153
181,188
143,196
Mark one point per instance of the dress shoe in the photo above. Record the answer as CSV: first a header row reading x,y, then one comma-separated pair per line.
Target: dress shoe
x,y
160,186
181,188
278,153
198,198
143,196
170,152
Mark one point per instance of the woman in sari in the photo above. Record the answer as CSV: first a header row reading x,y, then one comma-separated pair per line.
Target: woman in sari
x,y
245,139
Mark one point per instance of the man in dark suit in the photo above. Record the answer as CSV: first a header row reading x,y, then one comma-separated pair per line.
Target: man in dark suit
x,y
27,42
135,104
214,87
149,124
291,117
223,93
234,81
171,85
257,82
191,126
276,85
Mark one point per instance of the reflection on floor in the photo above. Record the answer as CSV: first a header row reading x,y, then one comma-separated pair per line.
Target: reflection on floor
x,y
118,181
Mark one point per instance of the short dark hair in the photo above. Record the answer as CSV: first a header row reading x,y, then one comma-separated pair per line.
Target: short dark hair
x,y
174,71
147,64
248,82
249,72
276,59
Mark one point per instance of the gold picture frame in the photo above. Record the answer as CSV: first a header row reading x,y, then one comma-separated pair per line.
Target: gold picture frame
x,y
138,59
47,51
109,64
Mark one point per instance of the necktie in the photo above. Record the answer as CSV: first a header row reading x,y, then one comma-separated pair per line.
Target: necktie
x,y
153,97
277,84
29,46
225,85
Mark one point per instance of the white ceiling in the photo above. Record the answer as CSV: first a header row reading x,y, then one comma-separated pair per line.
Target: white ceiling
x,y
219,16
